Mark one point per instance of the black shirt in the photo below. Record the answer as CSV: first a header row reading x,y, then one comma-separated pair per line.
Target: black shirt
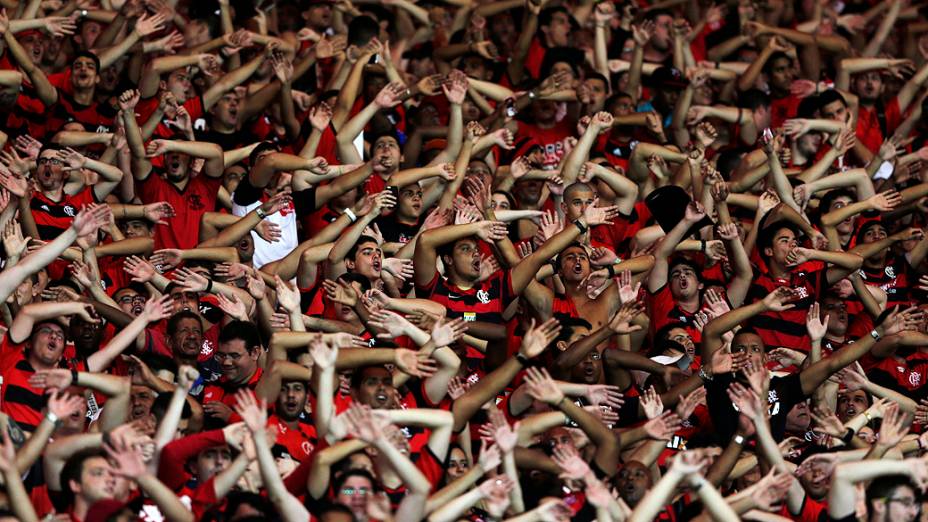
x,y
785,392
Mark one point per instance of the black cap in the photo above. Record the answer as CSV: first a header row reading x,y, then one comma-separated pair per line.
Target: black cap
x,y
668,78
668,206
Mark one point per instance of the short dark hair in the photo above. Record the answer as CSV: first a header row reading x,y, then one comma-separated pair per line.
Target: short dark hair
x,y
778,55
830,96
753,99
175,320
358,374
883,487
546,14
766,236
72,470
353,251
87,54
261,148
361,30
684,260
161,403
560,255
354,472
448,248
244,330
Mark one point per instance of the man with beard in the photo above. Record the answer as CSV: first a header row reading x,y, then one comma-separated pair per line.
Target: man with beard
x,y
778,66
58,199
190,196
878,118
286,386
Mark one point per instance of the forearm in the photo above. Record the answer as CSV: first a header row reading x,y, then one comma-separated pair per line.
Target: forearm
x,y
453,509
454,490
658,497
101,359
17,497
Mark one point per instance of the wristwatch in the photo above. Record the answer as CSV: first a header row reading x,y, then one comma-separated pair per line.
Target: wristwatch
x,y
261,214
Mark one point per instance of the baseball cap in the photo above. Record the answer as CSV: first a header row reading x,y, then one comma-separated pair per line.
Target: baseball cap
x,y
668,78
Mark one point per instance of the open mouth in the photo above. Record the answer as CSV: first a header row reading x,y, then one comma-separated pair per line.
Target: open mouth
x,y
137,310
376,265
381,398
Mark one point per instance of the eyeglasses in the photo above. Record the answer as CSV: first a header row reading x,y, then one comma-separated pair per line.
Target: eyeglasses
x,y
51,332
129,299
906,502
363,492
52,161
221,356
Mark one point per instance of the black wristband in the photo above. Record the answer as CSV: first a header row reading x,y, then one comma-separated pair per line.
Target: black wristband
x,y
611,270
581,227
209,285
523,360
846,439
74,375
702,245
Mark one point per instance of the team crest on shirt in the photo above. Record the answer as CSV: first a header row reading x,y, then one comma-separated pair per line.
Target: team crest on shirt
x,y
195,202
915,379
68,210
483,296
803,293
890,271
207,348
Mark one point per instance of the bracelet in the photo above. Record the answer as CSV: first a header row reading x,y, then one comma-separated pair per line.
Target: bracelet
x,y
261,214
209,285
611,270
718,65
532,95
739,440
351,215
52,418
702,245
581,227
868,416
523,360
846,439
74,376
876,335
408,93
704,375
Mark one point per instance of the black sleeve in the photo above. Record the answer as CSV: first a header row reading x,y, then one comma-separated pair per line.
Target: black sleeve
x,y
246,193
305,202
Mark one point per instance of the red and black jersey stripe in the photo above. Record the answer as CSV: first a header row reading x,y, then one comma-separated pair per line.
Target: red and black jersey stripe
x,y
486,300
54,217
787,328
894,278
21,401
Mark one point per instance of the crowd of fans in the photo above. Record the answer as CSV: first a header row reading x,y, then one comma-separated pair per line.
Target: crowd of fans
x,y
525,260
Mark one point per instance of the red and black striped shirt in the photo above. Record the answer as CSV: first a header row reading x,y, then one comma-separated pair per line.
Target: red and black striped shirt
x,y
483,302
788,328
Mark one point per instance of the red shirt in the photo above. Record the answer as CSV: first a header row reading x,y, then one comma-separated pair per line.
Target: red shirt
x,y
196,199
869,130
54,217
788,328
782,109
551,140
